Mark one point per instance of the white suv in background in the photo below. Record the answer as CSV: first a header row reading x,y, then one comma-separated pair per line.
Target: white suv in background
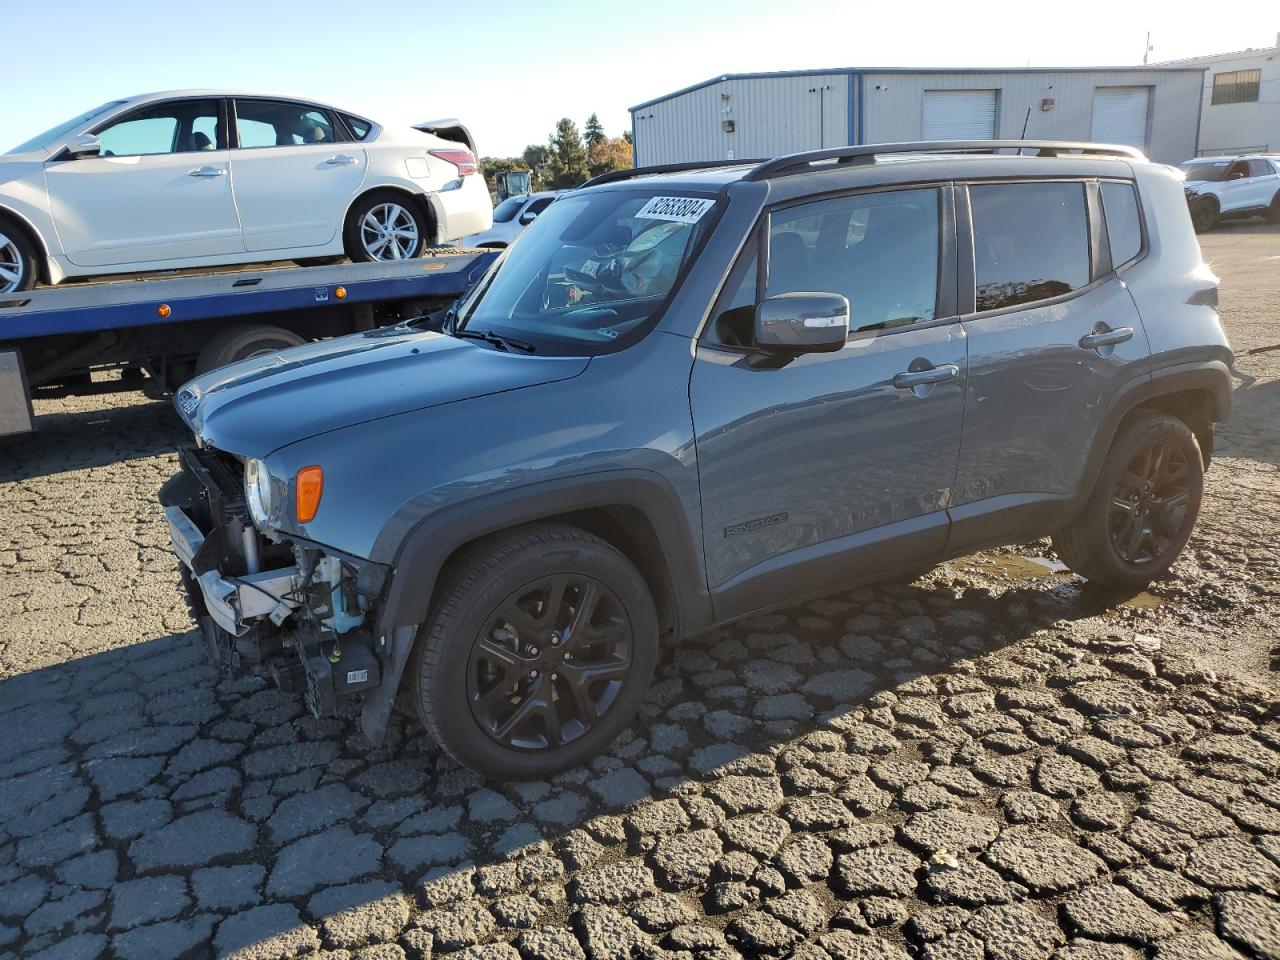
x,y
200,178
1219,188
510,217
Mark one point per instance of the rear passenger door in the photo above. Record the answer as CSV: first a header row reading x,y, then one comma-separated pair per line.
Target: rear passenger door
x,y
1053,334
832,466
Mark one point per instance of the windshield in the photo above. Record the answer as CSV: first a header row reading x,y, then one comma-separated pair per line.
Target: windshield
x,y
507,209
62,129
593,268
1206,171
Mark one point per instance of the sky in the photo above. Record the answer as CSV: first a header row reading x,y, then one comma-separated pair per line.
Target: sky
x,y
509,70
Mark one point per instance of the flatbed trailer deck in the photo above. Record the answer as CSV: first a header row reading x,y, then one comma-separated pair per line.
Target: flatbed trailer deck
x,y
160,330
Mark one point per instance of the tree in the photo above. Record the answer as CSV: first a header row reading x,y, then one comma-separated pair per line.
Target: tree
x,y
611,153
594,133
568,166
626,135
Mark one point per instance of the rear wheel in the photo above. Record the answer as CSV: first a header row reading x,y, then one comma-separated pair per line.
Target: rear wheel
x,y
385,226
17,260
1273,211
537,654
1143,506
1205,215
241,343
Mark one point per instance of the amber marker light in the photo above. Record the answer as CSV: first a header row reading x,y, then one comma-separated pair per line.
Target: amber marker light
x,y
308,488
163,310
340,293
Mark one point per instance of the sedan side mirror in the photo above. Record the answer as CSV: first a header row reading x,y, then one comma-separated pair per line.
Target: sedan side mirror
x,y
528,218
86,145
794,323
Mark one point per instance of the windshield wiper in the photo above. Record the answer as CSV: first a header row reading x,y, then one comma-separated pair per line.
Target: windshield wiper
x,y
501,342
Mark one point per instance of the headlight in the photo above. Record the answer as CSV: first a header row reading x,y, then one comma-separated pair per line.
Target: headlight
x,y
258,492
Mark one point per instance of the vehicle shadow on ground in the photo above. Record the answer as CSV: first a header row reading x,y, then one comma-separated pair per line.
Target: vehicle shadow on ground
x,y
64,442
1252,430
145,797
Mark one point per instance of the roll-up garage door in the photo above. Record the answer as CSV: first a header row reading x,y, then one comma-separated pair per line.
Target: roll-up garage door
x,y
959,115
1120,115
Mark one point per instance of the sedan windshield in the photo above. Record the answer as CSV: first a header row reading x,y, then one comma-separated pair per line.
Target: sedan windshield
x,y
55,134
1206,171
593,268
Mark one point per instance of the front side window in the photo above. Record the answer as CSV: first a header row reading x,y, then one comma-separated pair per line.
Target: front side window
x,y
879,249
281,123
591,270
1030,240
187,126
1124,226
1237,86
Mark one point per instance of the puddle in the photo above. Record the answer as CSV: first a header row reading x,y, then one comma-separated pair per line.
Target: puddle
x,y
1142,601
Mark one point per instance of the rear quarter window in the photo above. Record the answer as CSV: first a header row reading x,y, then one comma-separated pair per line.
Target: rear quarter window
x,y
1124,225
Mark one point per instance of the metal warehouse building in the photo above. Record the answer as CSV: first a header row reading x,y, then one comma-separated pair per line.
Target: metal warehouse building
x,y
746,115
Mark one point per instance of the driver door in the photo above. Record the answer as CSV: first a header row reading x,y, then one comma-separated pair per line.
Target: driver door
x,y
160,190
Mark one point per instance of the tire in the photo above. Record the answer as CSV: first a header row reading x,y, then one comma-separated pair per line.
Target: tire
x,y
19,265
1273,210
516,715
365,236
1204,216
241,343
1131,530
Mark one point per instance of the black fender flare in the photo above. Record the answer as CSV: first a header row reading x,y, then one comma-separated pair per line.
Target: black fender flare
x,y
422,555
1212,376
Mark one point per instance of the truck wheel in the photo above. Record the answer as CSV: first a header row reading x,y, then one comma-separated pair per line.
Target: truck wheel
x,y
1273,211
241,343
538,652
1205,215
1142,509
385,225
18,267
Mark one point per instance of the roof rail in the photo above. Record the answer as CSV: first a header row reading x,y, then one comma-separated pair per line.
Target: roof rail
x,y
799,162
614,176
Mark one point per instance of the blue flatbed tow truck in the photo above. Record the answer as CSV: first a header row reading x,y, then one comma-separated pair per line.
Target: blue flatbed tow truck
x,y
158,331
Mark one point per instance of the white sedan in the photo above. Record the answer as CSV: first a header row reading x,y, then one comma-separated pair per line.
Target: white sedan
x,y
199,178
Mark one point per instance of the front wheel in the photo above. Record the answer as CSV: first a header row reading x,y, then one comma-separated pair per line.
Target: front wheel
x,y
1205,216
17,260
1143,506
241,343
539,651
385,226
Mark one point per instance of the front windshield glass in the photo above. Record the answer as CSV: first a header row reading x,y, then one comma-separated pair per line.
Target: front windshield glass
x,y
61,130
507,209
1206,171
593,268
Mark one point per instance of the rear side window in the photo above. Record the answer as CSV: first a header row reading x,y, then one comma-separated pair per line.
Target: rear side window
x,y
359,128
1031,242
1260,168
1124,227
879,249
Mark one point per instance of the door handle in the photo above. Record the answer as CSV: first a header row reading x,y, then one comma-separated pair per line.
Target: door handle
x,y
341,160
909,379
1106,337
207,172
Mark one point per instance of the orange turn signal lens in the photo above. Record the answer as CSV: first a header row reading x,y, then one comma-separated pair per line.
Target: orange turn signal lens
x,y
340,293
163,310
308,488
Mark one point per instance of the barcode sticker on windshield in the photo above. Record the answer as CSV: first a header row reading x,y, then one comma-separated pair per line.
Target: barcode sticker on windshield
x,y
680,209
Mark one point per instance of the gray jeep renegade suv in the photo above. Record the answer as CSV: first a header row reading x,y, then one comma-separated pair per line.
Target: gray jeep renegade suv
x,y
686,395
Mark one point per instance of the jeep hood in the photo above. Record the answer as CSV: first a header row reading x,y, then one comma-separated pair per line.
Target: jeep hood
x,y
259,405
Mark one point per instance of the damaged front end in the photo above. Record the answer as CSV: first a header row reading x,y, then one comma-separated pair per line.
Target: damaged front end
x,y
304,614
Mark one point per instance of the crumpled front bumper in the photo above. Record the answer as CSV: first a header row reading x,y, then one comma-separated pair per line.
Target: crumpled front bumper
x,y
233,602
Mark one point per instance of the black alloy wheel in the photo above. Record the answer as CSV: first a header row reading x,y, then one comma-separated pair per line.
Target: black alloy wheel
x,y
1150,505
550,662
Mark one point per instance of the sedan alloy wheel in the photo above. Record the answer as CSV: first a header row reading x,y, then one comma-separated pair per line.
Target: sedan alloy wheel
x,y
390,232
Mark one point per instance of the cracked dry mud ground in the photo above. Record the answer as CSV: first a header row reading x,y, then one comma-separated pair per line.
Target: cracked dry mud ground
x,y
986,762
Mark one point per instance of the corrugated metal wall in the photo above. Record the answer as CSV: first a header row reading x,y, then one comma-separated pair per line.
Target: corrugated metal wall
x,y
894,103
770,116
774,115
1228,128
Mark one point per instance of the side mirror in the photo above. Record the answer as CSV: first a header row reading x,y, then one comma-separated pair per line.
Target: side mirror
x,y
86,145
796,323
528,218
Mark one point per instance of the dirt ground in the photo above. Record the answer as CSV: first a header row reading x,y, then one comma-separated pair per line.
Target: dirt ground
x,y
993,760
